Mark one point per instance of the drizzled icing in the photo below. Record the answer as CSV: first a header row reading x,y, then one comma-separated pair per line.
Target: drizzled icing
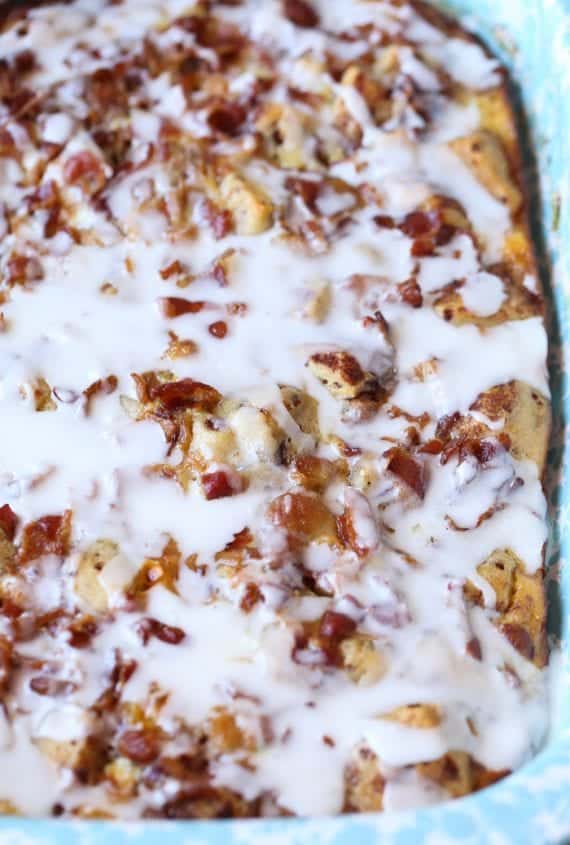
x,y
92,302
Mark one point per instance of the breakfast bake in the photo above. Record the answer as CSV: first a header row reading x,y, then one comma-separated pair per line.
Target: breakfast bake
x,y
274,412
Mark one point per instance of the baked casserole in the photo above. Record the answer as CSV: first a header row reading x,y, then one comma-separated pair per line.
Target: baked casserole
x,y
274,411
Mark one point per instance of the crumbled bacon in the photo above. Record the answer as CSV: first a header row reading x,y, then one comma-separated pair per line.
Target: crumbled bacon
x,y
185,393
410,293
81,631
141,746
86,171
428,231
323,647
45,685
169,634
473,648
176,306
47,535
384,221
306,189
482,449
8,147
407,469
356,525
220,219
301,13
218,329
520,638
336,626
227,118
252,595
8,522
22,269
174,268
101,387
221,483
6,663
105,89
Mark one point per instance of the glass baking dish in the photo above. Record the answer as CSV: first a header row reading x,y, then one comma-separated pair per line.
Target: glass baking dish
x,y
532,805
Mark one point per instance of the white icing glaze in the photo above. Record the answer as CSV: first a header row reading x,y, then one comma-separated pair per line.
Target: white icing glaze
x,y
483,294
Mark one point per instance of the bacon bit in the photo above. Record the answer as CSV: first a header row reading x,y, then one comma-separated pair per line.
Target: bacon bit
x,y
483,450
402,465
22,269
416,223
24,62
8,522
140,746
120,675
336,626
122,671
82,631
301,13
252,595
378,321
227,118
412,436
176,306
324,648
220,484
473,648
107,289
520,639
44,685
175,268
432,447
218,329
47,535
185,393
105,88
329,741
348,535
85,170
428,231
8,147
103,387
219,219
6,663
410,293
220,274
446,424
45,196
345,449
307,189
384,221
225,38
241,541
164,570
237,309
222,266
10,609
169,634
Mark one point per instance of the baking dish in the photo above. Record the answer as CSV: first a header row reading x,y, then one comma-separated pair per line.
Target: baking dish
x,y
550,815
